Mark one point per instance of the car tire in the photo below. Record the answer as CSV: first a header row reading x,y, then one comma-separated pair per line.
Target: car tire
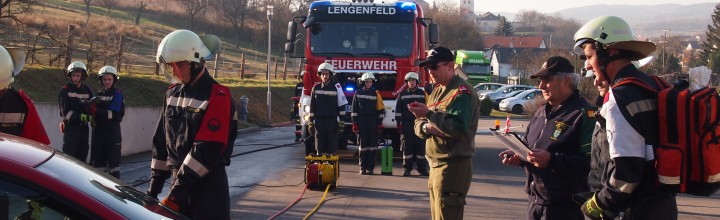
x,y
517,109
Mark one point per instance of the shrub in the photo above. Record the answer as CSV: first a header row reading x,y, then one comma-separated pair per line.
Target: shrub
x,y
486,106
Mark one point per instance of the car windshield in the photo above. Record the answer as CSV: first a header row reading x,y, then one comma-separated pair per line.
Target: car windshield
x,y
123,198
513,93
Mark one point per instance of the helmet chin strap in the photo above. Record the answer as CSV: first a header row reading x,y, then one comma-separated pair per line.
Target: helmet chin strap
x,y
604,59
196,69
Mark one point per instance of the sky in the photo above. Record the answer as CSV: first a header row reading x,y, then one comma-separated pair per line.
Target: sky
x,y
551,6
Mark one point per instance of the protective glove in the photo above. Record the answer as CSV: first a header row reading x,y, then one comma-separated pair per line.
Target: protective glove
x,y
355,128
341,127
311,128
177,200
380,129
591,209
85,117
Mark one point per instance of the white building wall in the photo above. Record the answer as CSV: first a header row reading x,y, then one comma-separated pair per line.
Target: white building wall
x,y
138,127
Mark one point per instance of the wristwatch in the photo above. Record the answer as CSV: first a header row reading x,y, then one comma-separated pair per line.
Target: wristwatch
x,y
424,128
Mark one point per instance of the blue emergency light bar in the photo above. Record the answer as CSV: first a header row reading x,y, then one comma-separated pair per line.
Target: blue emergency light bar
x,y
339,11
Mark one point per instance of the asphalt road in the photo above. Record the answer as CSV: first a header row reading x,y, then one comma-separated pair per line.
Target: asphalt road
x,y
267,174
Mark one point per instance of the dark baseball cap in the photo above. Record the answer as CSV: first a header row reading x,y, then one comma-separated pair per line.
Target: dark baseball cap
x,y
437,55
554,65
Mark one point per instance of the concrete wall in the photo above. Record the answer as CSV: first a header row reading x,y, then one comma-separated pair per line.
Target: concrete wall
x,y
138,127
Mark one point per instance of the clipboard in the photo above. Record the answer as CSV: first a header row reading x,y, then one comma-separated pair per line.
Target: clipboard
x,y
513,142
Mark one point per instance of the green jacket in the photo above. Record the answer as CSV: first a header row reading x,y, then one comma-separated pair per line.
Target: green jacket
x,y
454,110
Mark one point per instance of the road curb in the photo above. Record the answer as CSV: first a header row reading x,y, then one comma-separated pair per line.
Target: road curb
x,y
258,128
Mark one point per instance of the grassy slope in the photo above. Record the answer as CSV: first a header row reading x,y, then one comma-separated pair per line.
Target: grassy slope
x,y
42,84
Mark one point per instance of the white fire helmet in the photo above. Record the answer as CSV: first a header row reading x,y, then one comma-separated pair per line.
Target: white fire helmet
x,y
367,76
326,66
185,45
12,61
106,70
75,66
412,75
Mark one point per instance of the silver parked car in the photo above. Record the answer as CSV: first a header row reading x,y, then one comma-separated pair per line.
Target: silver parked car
x,y
502,91
486,87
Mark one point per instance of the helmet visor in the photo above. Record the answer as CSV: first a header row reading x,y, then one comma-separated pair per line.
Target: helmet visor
x,y
167,70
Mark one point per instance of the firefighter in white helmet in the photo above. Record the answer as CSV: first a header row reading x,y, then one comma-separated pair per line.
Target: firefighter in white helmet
x,y
294,108
412,146
107,109
327,103
196,131
368,112
624,181
73,98
18,115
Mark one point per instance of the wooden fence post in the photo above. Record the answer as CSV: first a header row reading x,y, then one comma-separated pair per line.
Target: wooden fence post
x,y
242,66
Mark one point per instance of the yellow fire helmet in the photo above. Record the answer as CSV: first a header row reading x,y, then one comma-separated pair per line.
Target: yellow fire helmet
x,y
613,32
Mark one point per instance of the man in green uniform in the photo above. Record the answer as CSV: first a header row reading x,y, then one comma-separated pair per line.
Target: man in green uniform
x,y
448,123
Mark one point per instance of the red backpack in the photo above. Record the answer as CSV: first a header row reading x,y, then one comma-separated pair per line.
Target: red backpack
x,y
688,157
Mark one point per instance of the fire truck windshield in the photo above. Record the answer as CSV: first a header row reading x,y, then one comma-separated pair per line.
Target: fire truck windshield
x,y
362,39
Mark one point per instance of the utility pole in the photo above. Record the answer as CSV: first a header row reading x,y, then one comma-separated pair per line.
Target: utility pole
x,y
663,52
269,94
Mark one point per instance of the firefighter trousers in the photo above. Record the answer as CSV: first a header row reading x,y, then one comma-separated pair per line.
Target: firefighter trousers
x,y
413,152
448,184
105,149
75,141
209,198
326,137
368,140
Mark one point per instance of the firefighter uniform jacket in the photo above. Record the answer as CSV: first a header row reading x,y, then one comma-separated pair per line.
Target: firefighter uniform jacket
x,y
628,124
110,108
195,137
403,116
565,131
367,102
18,116
324,101
72,103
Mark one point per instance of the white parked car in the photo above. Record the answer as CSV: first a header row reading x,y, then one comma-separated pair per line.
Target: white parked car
x,y
502,91
518,103
486,87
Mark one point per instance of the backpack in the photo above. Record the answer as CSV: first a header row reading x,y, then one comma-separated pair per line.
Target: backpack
x,y
688,156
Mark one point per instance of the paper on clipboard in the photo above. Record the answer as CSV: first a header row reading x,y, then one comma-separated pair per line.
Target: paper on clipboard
x,y
513,142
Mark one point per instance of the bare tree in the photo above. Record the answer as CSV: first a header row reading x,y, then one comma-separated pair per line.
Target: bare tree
x,y
87,6
139,10
234,12
109,4
456,33
194,8
530,18
12,8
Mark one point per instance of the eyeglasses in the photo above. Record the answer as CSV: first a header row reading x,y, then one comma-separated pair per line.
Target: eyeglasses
x,y
434,66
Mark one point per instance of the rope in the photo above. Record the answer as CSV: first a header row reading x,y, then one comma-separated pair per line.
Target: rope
x,y
290,205
319,203
445,100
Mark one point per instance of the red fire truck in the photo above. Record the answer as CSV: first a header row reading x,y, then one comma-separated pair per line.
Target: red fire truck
x,y
386,39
